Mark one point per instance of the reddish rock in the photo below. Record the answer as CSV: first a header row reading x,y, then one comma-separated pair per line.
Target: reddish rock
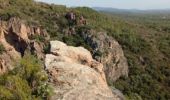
x,y
17,37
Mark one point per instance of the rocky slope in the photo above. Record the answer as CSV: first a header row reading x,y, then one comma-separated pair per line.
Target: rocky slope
x,y
108,51
17,38
74,72
75,75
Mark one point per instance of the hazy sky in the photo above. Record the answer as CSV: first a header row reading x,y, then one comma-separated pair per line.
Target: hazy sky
x,y
124,4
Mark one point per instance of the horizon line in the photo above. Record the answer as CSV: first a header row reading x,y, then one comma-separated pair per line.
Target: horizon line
x,y
142,9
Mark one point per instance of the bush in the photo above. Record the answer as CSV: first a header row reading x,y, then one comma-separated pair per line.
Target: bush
x,y
2,49
164,45
15,88
134,96
63,23
39,38
27,81
98,53
46,48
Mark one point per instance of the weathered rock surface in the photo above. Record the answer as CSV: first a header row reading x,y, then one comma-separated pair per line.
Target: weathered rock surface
x,y
107,51
17,37
75,75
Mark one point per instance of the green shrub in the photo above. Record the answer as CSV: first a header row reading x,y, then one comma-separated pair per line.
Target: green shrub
x,y
134,96
15,88
27,81
2,49
5,93
38,38
164,45
63,23
45,91
98,53
47,48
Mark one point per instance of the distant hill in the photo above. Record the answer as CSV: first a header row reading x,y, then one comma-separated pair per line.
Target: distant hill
x,y
132,11
108,9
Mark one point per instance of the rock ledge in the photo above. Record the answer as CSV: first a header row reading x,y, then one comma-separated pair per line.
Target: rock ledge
x,y
75,75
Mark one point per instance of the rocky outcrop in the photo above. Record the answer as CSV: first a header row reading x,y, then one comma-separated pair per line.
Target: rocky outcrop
x,y
73,72
75,75
107,51
17,37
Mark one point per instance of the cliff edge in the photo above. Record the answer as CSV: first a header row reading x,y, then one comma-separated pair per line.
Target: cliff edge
x,y
75,75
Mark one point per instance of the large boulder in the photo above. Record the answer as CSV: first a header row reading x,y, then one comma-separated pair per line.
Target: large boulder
x,y
107,51
75,75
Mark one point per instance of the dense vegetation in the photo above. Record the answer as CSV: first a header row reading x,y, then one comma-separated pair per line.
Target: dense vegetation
x,y
147,51
27,81
145,40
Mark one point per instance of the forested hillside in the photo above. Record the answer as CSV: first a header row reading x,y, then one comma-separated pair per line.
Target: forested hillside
x,y
149,68
145,41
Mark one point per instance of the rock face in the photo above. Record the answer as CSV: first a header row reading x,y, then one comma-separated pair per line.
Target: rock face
x,y
75,75
107,51
17,37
